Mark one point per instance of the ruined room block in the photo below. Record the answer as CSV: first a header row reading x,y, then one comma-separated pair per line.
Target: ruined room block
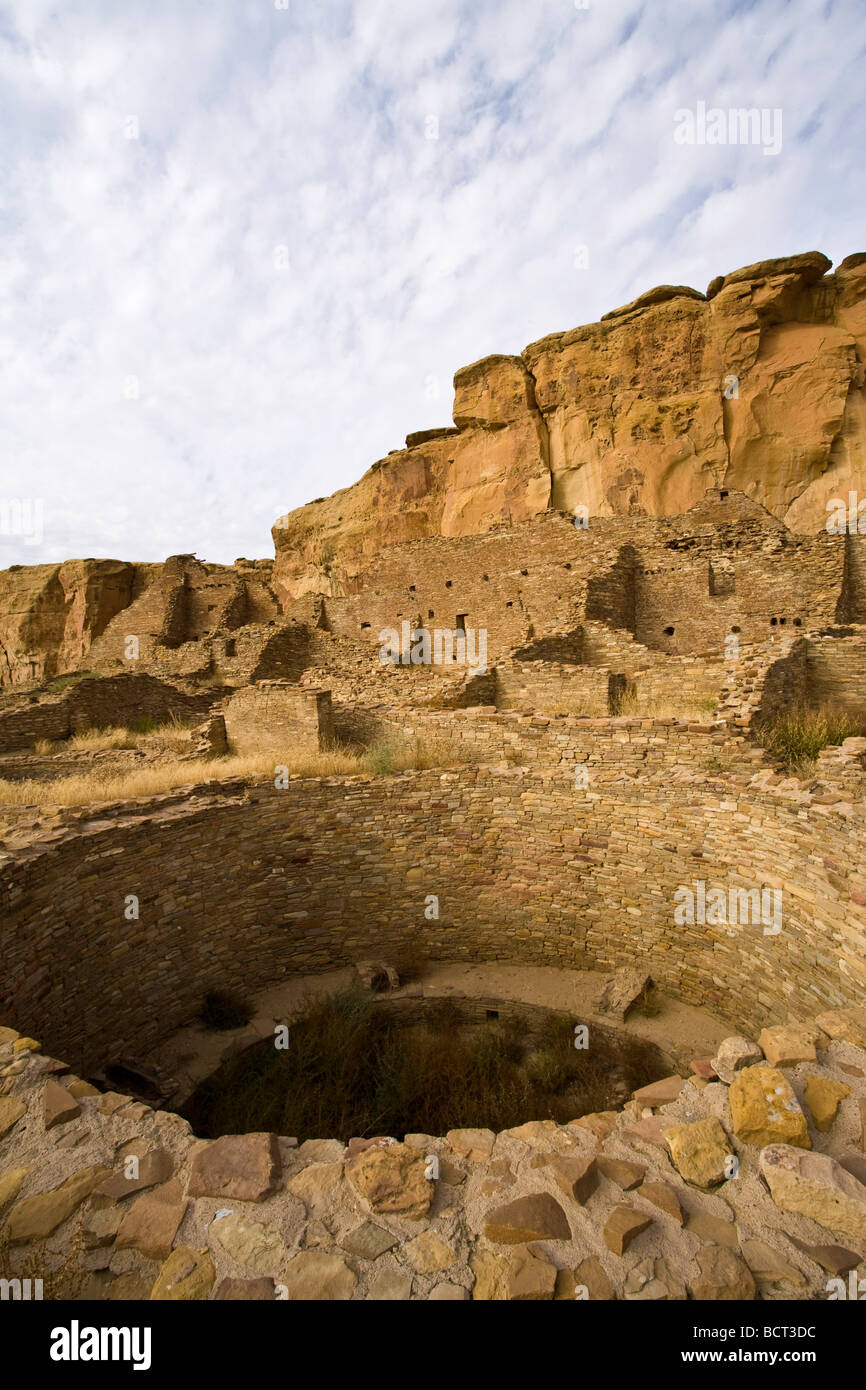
x,y
280,718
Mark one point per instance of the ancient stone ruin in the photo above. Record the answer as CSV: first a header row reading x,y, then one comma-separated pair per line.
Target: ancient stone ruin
x,y
513,700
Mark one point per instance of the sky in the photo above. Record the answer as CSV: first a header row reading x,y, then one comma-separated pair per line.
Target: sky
x,y
245,244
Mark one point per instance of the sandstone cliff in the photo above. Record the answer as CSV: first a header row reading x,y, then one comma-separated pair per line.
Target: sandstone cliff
x,y
757,385
50,614
59,618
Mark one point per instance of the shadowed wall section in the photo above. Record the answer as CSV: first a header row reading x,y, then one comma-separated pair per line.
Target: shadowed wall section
x,y
239,888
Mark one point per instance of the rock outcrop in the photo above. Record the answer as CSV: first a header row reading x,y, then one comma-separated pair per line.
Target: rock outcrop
x,y
56,619
757,386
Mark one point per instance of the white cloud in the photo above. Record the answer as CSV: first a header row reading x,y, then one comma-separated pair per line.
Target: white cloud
x,y
260,387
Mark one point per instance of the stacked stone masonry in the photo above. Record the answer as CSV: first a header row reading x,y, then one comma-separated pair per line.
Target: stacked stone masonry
x,y
698,1188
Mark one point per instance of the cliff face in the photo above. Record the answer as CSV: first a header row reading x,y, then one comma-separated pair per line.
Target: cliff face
x,y
50,614
58,618
757,385
491,467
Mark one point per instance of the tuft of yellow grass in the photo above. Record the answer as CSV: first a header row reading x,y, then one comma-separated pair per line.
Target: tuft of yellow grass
x,y
99,740
155,779
665,707
172,737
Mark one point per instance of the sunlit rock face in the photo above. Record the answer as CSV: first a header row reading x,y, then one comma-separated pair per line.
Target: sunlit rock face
x,y
757,386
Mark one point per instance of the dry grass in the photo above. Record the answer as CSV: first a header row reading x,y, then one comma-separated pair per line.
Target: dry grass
x,y
795,737
667,707
157,778
353,1068
107,784
171,737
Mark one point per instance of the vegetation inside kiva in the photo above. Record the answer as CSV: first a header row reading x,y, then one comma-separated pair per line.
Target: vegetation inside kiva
x,y
353,1068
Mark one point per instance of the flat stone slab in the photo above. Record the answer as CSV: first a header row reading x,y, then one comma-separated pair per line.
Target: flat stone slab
x,y
474,1144
735,1053
769,1266
591,1275
33,1218
724,1276
601,1123
11,1111
541,1134
11,1183
823,1098
152,1222
390,1286
252,1243
621,1227
650,1130
786,1046
392,1181
834,1258
314,1275
660,1092
186,1277
576,1177
58,1106
663,1196
368,1241
537,1216
619,1170
316,1183
531,1278
846,1025
245,1167
428,1253
700,1151
815,1185
155,1167
765,1110
232,1289
714,1229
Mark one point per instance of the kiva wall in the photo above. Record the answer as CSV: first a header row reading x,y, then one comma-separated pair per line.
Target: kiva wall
x,y
241,890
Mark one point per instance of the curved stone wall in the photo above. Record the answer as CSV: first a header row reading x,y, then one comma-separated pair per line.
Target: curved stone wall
x,y
241,888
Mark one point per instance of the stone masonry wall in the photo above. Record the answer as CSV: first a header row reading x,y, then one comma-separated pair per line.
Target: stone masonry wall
x,y
241,889
279,717
99,703
836,670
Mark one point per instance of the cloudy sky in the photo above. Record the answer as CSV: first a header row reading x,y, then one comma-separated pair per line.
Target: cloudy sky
x,y
244,245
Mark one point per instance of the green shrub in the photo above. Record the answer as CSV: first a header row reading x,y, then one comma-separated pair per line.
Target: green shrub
x,y
145,725
383,755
